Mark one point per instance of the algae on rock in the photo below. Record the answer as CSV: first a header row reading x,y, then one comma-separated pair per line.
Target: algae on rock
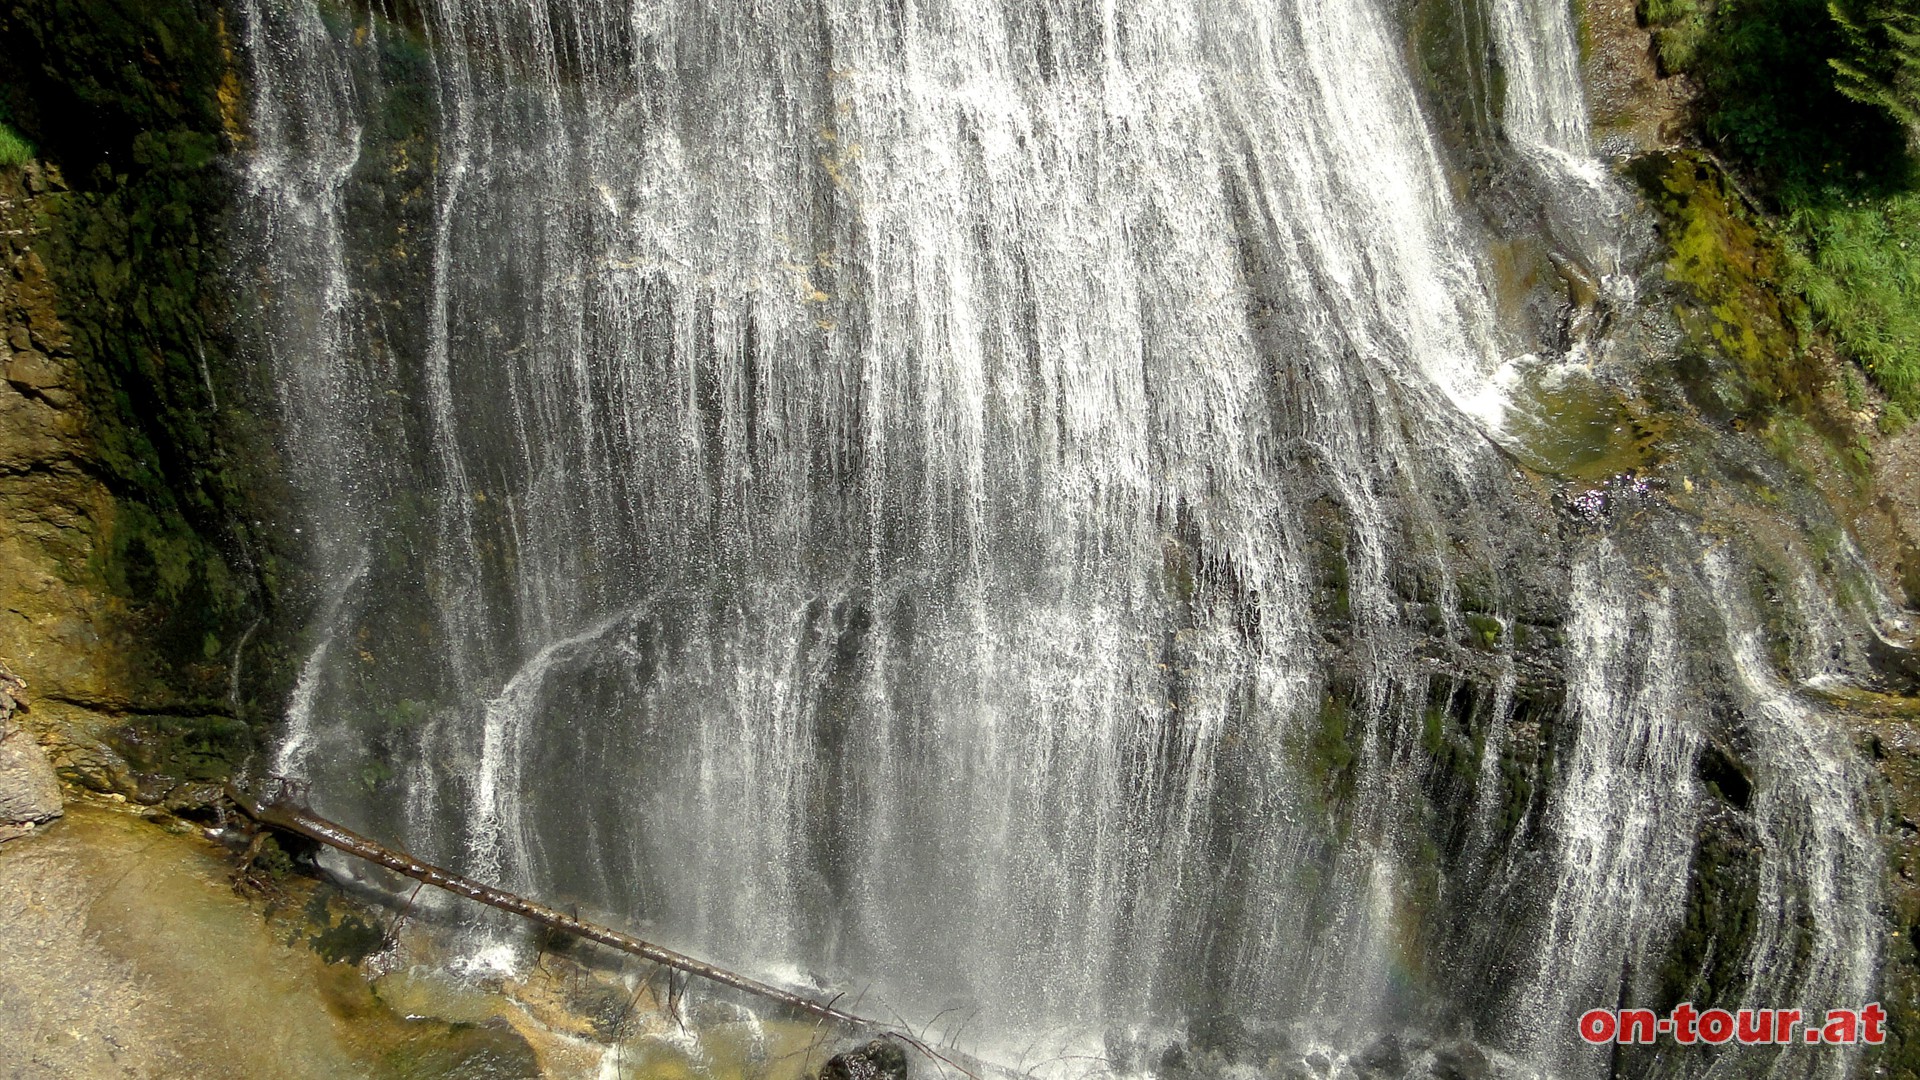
x,y
137,470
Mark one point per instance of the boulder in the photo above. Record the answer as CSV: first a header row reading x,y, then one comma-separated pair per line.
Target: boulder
x,y
29,792
1460,1061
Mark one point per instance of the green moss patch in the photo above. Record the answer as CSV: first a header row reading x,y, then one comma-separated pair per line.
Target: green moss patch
x,y
1332,745
1742,351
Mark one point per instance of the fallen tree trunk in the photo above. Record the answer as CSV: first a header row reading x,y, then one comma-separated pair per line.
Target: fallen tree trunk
x,y
282,813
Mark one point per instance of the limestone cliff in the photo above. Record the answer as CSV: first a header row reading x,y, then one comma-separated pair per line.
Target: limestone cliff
x,y
137,564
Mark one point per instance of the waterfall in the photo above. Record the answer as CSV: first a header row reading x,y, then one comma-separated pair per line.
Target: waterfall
x,y
990,504
1544,117
1629,800
1546,104
1808,807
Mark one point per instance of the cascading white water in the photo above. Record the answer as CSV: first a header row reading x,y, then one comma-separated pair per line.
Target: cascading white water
x,y
1628,801
1544,116
1807,806
851,486
1545,104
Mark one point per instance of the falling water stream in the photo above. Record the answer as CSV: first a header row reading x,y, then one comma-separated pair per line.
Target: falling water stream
x,y
980,503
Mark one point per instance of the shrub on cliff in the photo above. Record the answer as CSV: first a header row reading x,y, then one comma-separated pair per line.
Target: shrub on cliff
x,y
1857,260
1776,96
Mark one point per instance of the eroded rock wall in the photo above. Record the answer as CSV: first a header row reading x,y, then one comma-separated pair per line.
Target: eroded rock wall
x,y
139,574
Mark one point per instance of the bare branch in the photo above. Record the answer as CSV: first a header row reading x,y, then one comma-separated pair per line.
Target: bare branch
x,y
282,812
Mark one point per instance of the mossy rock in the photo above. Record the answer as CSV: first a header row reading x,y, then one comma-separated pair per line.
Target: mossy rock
x,y
1742,350
1485,631
1458,67
1453,728
162,750
1333,745
1703,963
137,103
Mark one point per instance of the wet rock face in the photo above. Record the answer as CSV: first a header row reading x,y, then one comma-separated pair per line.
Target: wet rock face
x,y
29,793
139,566
881,1059
1636,104
115,600
1460,1061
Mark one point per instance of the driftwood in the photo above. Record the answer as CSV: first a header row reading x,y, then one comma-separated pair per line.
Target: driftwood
x,y
282,812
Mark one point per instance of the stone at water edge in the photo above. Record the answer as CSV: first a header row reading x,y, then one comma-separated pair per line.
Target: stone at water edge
x,y
881,1059
29,792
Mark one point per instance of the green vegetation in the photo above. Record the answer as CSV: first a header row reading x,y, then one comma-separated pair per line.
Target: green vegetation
x,y
1486,630
1818,105
1880,62
1741,348
1454,752
1774,100
1679,27
1331,748
1857,261
15,151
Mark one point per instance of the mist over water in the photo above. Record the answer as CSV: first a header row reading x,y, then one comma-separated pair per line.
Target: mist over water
x,y
959,502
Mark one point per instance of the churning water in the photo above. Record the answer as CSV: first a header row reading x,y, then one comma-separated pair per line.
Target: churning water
x,y
959,500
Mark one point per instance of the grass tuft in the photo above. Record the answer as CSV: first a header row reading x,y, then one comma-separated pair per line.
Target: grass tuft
x,y
14,150
1858,264
1679,29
